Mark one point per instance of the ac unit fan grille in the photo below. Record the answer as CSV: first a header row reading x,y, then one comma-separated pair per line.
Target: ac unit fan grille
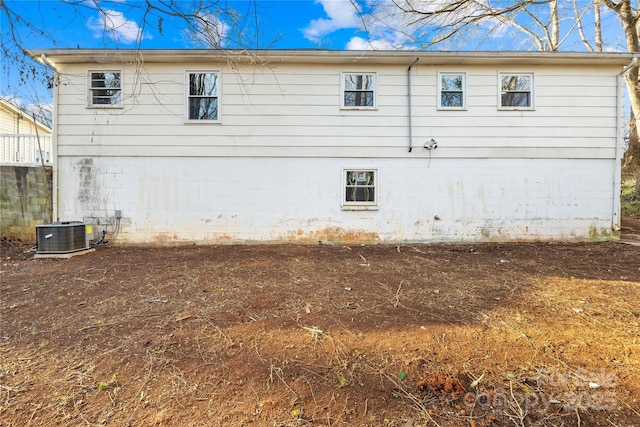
x,y
61,237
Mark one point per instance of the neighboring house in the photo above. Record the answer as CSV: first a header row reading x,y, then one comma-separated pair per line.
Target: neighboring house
x,y
22,138
212,146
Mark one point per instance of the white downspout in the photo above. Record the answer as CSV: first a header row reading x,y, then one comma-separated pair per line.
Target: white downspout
x,y
409,103
617,174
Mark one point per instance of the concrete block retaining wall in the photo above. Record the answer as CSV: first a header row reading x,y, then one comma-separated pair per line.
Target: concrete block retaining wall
x,y
25,201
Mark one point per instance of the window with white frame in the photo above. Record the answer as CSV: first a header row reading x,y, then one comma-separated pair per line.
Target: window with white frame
x,y
360,188
105,88
516,90
452,90
203,97
359,90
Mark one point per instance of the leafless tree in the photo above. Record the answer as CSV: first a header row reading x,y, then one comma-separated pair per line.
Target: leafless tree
x,y
202,23
538,21
629,17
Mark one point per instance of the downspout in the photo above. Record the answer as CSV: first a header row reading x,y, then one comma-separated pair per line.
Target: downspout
x,y
54,143
617,174
409,103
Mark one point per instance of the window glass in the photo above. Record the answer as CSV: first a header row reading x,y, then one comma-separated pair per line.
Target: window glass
x,y
516,90
106,88
359,90
203,96
360,187
452,88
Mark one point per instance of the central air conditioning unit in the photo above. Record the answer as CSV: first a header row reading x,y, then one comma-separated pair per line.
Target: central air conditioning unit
x,y
63,237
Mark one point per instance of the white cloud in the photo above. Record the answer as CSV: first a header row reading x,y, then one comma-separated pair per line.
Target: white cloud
x,y
382,21
341,14
210,31
358,43
116,26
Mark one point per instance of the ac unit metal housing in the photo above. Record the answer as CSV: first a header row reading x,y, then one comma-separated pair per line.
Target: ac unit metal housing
x,y
63,237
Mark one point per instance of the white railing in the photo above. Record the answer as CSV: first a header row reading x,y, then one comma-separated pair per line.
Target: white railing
x,y
24,148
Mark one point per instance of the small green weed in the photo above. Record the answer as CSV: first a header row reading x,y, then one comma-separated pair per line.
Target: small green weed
x,y
103,386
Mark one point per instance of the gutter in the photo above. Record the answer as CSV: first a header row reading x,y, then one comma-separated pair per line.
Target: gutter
x,y
275,56
409,103
617,174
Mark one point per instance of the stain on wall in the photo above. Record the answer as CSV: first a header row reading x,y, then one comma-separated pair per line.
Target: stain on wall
x,y
86,177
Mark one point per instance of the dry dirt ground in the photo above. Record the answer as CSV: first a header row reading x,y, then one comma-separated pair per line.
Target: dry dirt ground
x,y
519,334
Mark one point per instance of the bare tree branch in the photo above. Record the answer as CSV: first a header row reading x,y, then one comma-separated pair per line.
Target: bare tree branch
x,y
578,16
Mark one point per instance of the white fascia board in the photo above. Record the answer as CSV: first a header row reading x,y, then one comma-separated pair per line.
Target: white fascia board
x,y
115,56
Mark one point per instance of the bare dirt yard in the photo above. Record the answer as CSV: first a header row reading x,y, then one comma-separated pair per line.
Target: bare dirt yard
x,y
518,334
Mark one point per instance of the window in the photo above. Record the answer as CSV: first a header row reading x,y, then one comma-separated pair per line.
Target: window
x,y
46,156
360,188
203,96
516,91
452,89
105,89
358,90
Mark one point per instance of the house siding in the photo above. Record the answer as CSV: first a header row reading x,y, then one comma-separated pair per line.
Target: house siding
x,y
292,107
271,170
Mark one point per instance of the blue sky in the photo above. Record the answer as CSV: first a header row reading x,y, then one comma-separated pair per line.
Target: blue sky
x,y
282,24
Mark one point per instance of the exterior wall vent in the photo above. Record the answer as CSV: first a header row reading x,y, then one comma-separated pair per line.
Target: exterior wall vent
x,y
63,237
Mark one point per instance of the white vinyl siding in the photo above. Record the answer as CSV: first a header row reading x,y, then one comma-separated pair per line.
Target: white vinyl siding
x,y
277,113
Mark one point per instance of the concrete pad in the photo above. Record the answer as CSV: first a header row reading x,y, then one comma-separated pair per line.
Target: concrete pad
x,y
66,255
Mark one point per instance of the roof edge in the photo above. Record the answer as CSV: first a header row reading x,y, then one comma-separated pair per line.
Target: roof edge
x,y
111,56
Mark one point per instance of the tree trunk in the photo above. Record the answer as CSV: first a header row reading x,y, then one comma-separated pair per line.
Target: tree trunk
x,y
597,21
555,26
630,25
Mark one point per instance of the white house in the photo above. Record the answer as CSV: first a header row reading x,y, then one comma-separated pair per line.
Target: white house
x,y
23,139
212,146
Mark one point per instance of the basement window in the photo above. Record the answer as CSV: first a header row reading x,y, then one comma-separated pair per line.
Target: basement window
x,y
360,189
359,90
105,89
203,96
516,91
